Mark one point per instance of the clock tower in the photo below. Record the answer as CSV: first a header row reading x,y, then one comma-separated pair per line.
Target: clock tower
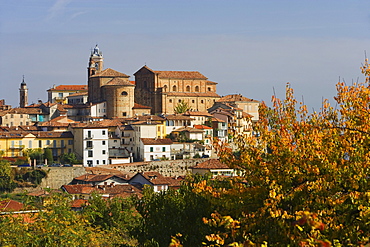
x,y
95,62
23,94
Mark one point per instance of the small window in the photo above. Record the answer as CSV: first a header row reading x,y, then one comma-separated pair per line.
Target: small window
x,y
163,149
97,162
124,114
179,100
103,152
151,149
197,89
103,162
124,93
170,101
60,95
193,101
90,153
202,101
103,132
174,88
187,88
209,89
103,142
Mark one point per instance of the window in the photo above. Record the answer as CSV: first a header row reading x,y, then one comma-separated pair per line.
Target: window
x,y
21,116
197,89
69,150
90,153
60,95
89,144
103,162
187,88
165,88
97,162
103,132
202,101
40,144
170,100
103,142
124,93
62,143
209,89
124,114
89,134
21,123
179,100
11,115
193,101
163,149
151,149
89,162
29,144
174,88
70,142
47,142
103,151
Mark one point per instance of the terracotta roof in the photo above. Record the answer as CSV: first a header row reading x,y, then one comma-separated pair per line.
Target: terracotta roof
x,y
78,203
178,117
201,127
15,134
91,125
101,189
211,164
152,141
78,94
234,98
99,177
192,94
214,119
211,83
188,129
197,113
110,73
146,117
138,106
118,82
69,88
10,205
180,74
155,178
53,134
25,110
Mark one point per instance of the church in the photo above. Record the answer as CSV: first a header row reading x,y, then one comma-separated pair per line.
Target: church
x,y
159,91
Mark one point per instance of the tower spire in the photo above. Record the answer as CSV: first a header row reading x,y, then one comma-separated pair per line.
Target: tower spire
x,y
23,94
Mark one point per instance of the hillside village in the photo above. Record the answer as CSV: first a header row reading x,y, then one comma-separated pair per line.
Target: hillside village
x,y
161,115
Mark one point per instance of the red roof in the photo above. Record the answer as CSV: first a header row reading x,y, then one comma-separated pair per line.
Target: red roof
x,y
211,164
202,127
152,141
69,88
10,205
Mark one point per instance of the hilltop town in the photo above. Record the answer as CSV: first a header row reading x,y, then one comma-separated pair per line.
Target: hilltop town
x,y
161,115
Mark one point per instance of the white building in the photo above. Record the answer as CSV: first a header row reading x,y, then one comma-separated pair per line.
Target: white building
x,y
153,149
91,143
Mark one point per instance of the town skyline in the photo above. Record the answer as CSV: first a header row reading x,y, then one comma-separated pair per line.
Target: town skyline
x,y
256,47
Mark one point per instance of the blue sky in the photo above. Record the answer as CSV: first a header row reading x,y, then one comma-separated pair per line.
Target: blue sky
x,y
249,47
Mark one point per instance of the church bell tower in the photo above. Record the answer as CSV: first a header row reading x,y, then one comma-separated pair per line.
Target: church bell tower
x,y
95,63
23,94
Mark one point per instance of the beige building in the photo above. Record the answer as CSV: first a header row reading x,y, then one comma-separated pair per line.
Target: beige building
x,y
163,90
110,86
59,94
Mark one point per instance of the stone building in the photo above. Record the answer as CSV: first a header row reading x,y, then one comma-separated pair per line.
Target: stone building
x,y
163,90
109,86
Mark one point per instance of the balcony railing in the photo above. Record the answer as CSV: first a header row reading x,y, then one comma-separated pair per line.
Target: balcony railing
x,y
17,147
89,137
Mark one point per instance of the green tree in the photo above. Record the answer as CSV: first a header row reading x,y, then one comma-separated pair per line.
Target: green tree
x,y
68,158
7,183
48,155
34,154
181,107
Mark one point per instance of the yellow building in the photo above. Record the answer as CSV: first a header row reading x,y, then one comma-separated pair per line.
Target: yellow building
x,y
14,143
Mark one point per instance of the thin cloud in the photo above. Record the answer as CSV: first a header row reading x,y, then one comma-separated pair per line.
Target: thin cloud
x,y
57,8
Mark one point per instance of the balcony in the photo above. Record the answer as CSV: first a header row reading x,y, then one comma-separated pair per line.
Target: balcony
x,y
90,147
89,137
17,147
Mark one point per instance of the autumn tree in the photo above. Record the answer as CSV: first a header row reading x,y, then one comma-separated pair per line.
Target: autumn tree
x,y
307,173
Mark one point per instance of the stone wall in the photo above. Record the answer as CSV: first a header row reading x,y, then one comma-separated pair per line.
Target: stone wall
x,y
165,167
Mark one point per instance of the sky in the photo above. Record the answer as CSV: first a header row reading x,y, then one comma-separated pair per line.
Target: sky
x,y
253,48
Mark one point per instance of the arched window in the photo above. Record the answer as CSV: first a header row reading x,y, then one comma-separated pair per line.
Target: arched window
x,y
170,100
187,88
165,88
196,88
209,89
124,93
174,88
201,101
